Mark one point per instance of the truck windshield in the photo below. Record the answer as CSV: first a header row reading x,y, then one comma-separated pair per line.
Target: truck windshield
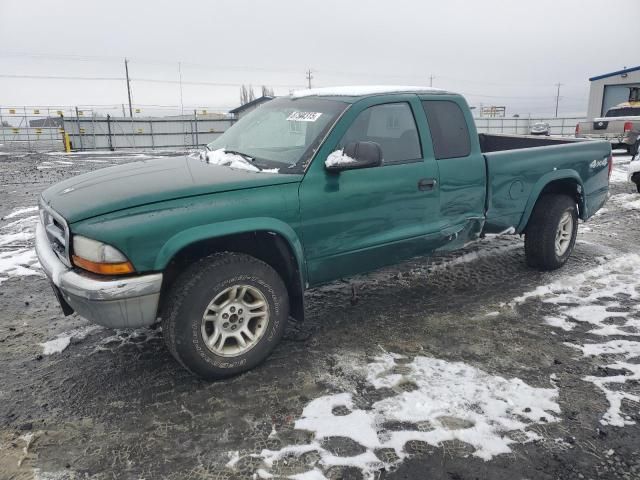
x,y
624,112
283,133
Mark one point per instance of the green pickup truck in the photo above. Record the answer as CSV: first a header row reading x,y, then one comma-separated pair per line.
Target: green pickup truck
x,y
304,190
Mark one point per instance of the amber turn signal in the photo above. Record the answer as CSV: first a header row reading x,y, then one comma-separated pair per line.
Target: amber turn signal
x,y
103,268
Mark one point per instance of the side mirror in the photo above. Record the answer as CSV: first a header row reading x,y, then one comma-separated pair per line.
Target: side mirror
x,y
355,155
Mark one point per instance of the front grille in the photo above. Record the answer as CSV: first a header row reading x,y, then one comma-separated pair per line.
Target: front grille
x,y
57,232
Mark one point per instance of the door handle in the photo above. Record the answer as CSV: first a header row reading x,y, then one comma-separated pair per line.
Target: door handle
x,y
427,184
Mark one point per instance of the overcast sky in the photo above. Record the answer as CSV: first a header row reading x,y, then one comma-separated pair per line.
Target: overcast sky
x,y
496,52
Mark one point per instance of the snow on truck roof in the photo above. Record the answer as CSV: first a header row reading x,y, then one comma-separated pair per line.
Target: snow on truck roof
x,y
360,90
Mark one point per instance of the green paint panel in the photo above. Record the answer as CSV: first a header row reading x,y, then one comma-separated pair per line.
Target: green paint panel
x,y
337,224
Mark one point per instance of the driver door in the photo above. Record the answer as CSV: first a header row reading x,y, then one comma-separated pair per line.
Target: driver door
x,y
358,220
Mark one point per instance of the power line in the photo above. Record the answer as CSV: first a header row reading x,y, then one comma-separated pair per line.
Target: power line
x,y
148,80
61,77
85,58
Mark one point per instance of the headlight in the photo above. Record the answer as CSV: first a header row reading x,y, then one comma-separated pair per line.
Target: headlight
x,y
98,257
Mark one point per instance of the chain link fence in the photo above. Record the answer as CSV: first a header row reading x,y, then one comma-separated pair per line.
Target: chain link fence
x,y
33,129
38,129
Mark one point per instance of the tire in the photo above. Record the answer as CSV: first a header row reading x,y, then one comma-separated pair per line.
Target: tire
x,y
638,186
633,149
551,213
209,284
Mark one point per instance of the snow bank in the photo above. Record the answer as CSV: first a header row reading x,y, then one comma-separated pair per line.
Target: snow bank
x,y
446,401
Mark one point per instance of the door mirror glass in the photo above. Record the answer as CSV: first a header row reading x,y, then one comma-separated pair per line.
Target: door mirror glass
x,y
355,155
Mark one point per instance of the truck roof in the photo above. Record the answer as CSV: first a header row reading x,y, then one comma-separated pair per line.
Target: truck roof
x,y
356,91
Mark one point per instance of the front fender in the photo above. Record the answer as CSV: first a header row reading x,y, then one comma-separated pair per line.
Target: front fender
x,y
565,174
221,229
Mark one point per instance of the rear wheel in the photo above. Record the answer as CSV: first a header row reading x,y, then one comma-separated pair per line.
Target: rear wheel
x,y
551,232
225,314
633,149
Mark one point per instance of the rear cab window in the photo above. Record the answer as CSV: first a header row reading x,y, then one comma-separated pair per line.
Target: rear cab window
x,y
392,126
449,129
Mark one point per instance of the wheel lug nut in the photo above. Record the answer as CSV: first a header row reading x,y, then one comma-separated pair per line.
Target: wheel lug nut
x,y
233,309
225,315
225,325
233,327
241,320
240,311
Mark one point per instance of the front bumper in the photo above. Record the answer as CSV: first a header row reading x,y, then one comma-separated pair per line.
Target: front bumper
x,y
129,302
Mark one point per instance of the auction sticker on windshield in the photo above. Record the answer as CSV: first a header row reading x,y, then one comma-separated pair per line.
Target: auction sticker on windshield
x,y
304,116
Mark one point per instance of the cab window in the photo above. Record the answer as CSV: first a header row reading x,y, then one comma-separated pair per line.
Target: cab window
x,y
392,126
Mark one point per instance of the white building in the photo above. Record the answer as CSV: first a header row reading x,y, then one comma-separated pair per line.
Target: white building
x,y
610,89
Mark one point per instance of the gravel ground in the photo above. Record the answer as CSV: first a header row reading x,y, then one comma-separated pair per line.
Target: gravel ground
x,y
537,374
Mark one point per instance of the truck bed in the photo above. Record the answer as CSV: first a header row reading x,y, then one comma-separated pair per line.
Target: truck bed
x,y
517,167
500,143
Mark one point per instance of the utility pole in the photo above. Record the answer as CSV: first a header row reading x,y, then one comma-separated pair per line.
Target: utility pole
x,y
309,77
181,101
557,97
431,77
126,70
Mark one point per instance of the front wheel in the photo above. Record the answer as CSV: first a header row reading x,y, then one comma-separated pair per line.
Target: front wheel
x,y
225,314
551,232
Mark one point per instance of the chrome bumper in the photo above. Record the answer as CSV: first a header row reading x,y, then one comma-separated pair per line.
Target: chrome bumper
x,y
114,303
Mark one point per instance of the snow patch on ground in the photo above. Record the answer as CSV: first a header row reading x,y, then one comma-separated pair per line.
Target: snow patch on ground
x,y
63,340
628,201
17,258
605,298
445,401
21,211
473,256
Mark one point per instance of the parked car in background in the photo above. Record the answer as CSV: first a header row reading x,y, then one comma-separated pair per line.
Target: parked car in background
x,y
304,190
540,128
634,171
620,126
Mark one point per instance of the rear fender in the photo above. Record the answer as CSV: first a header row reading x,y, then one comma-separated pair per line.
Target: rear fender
x,y
556,178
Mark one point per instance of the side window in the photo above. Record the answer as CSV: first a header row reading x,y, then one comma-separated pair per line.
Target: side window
x,y
448,127
392,126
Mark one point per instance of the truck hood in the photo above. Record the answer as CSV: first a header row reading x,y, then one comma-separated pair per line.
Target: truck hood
x,y
150,181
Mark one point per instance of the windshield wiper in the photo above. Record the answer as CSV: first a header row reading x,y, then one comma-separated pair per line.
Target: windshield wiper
x,y
243,155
